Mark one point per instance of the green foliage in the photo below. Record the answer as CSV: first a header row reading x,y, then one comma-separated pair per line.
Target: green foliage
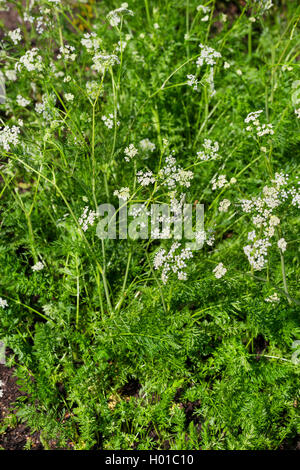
x,y
109,356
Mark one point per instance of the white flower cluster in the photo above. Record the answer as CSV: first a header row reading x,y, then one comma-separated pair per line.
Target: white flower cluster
x,y
264,220
295,197
91,42
257,253
27,17
11,75
130,152
219,182
114,17
1,388
146,145
42,22
92,89
87,218
123,193
145,178
203,9
261,129
210,150
109,121
205,236
38,266
103,61
21,101
273,298
282,244
219,270
31,60
192,81
121,46
9,136
46,107
69,97
207,56
172,174
67,52
297,112
15,35
3,303
224,205
171,262
264,5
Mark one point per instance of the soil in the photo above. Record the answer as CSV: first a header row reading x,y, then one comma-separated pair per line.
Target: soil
x,y
10,18
17,436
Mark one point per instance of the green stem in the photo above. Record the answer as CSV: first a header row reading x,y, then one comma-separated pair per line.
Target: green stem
x,y
122,296
148,12
284,277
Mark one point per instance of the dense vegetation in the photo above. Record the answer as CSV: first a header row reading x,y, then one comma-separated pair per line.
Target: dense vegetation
x,y
119,343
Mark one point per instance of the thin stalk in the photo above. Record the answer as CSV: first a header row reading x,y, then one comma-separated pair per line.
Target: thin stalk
x,y
157,282
122,296
284,277
77,294
147,12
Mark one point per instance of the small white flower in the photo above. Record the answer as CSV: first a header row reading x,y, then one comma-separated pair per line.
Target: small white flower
x,y
21,101
114,17
87,218
38,266
252,235
130,152
218,183
207,56
145,178
9,136
146,144
123,193
282,244
203,9
297,112
15,35
67,52
3,303
273,298
31,61
11,75
192,81
224,205
93,89
219,270
274,221
69,97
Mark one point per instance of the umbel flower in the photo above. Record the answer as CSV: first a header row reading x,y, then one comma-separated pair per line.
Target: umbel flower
x,y
172,261
114,17
9,136
3,303
219,270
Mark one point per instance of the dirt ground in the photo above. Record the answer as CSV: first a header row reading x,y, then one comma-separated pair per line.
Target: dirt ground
x,y
15,437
